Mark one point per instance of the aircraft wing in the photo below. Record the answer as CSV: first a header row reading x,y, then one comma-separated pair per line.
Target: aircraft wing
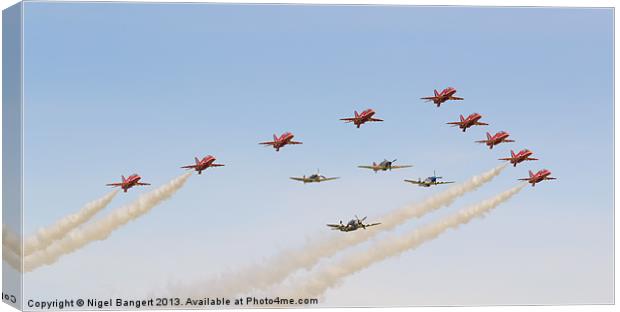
x,y
456,98
508,159
415,182
447,182
216,165
366,167
549,178
481,123
189,167
267,143
401,166
329,179
114,184
348,119
375,119
142,183
456,123
373,224
334,226
481,141
524,179
430,98
298,179
508,141
295,142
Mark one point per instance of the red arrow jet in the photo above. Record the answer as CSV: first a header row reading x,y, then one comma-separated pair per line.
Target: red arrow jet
x,y
362,118
471,120
444,95
203,164
538,177
519,157
129,182
279,142
500,137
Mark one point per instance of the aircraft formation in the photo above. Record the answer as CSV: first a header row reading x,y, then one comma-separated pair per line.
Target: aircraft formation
x,y
440,97
492,140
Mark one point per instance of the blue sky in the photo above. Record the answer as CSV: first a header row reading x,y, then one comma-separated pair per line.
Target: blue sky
x,y
112,89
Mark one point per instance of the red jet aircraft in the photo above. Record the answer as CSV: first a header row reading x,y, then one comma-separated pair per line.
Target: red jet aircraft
x,y
471,120
499,137
519,157
279,142
538,177
362,118
203,164
128,183
440,97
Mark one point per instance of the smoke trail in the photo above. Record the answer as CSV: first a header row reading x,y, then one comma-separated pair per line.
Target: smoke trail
x,y
46,236
328,277
11,258
10,240
12,247
279,267
101,229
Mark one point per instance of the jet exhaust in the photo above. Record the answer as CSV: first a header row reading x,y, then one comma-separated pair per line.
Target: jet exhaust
x,y
101,229
280,266
320,281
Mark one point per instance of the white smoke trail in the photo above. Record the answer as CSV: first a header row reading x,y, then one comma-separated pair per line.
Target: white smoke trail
x,y
10,240
328,277
102,228
46,236
278,268
11,258
12,246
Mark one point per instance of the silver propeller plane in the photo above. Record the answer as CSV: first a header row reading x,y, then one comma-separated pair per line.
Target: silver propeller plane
x,y
314,178
385,165
353,225
428,182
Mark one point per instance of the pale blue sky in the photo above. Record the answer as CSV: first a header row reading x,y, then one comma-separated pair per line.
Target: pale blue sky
x,y
115,88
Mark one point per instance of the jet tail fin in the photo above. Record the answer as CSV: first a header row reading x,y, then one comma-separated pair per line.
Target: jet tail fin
x,y
196,160
488,136
531,173
123,177
462,118
512,153
436,93
275,137
356,114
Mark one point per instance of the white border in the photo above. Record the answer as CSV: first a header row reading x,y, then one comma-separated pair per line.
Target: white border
x,y
506,3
